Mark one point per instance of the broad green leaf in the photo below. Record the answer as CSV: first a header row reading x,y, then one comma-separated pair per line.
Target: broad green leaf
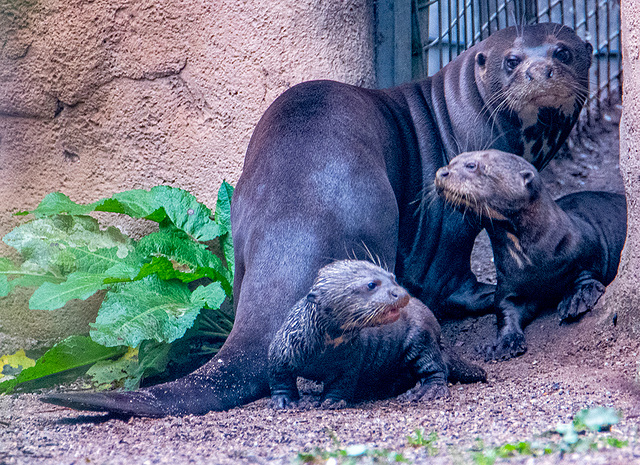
x,y
107,374
56,203
189,256
28,275
51,243
186,213
63,362
79,285
153,358
137,203
211,295
223,205
223,217
162,267
161,310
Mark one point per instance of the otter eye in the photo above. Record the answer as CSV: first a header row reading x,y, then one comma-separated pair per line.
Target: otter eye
x,y
371,286
512,62
471,165
563,55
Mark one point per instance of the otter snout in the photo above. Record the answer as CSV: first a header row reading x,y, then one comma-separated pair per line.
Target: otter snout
x,y
400,295
539,71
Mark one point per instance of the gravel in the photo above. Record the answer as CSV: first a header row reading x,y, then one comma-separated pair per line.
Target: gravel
x,y
567,368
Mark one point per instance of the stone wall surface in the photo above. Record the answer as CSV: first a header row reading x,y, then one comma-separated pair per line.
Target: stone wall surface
x,y
102,96
623,295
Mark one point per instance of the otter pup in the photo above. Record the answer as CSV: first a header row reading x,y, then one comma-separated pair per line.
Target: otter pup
x,y
361,333
547,254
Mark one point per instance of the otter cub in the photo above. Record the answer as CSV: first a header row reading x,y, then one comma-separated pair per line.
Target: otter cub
x,y
547,254
361,333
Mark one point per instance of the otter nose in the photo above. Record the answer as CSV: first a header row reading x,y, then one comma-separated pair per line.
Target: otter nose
x,y
539,72
443,172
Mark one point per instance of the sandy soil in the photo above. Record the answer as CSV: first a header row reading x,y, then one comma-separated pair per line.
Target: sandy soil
x,y
567,368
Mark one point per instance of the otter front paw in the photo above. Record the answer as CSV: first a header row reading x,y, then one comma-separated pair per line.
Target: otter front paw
x,y
425,392
582,300
507,346
282,401
333,404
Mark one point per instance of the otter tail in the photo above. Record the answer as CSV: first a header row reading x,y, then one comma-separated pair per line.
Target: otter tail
x,y
462,371
230,379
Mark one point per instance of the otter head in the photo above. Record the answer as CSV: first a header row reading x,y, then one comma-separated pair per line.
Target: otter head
x,y
493,184
539,75
354,294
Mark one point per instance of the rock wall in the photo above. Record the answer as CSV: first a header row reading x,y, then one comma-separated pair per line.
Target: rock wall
x,y
102,96
623,295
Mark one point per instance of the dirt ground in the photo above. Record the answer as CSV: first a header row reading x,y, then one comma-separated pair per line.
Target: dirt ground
x,y
567,368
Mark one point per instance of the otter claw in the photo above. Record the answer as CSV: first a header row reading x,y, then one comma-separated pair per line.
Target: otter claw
x,y
506,347
581,301
425,392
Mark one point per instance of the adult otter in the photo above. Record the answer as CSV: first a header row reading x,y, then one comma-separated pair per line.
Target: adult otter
x,y
547,254
333,170
362,334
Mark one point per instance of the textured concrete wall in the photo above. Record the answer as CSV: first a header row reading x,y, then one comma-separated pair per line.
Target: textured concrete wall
x,y
101,96
623,295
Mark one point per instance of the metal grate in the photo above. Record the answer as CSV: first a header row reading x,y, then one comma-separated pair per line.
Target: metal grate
x,y
442,29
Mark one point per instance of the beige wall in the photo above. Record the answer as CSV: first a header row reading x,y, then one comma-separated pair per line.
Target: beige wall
x,y
98,97
623,295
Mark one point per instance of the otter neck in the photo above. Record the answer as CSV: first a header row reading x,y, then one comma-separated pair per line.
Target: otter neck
x,y
466,122
331,328
541,218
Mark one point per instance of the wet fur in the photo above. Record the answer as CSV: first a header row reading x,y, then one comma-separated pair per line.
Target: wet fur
x,y
330,336
548,255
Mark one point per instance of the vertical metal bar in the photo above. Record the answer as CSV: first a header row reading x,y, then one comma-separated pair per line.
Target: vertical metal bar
x,y
384,43
608,30
440,32
466,26
575,16
449,27
457,27
619,46
402,45
473,22
426,44
597,50
586,37
488,18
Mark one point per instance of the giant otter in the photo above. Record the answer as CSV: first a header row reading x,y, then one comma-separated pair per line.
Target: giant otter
x,y
334,171
547,254
361,333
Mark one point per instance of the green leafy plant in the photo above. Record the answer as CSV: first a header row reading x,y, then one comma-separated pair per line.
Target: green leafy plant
x,y
350,455
154,288
417,439
574,437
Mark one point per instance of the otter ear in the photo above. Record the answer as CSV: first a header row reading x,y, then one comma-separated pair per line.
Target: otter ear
x,y
527,177
312,297
589,48
481,59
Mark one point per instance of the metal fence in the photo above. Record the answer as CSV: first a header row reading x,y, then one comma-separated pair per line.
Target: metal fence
x,y
436,31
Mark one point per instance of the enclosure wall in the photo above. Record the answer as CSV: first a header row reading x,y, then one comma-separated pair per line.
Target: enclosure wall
x,y
98,97
623,295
